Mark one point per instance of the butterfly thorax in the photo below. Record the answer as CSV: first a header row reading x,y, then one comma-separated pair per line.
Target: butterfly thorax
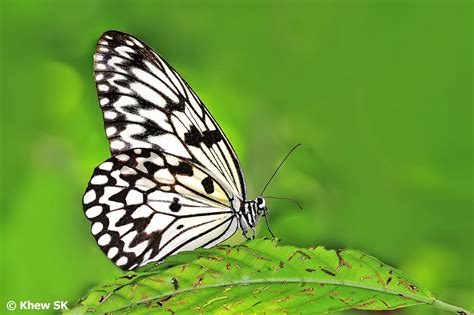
x,y
251,211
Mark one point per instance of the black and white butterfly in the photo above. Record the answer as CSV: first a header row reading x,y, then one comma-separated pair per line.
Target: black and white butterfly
x,y
174,182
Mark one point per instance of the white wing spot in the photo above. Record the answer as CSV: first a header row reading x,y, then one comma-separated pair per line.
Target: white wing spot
x,y
122,261
108,37
89,196
104,240
142,212
164,176
103,49
138,151
106,166
128,171
145,184
112,252
100,66
110,131
99,180
117,145
103,42
134,198
93,212
172,160
98,57
123,157
96,228
130,43
110,115
104,101
99,77
103,87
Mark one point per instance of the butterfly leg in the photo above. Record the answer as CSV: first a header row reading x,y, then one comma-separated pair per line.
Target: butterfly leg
x,y
268,226
244,233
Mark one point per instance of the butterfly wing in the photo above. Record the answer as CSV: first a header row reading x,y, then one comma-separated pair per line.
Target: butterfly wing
x,y
146,104
145,205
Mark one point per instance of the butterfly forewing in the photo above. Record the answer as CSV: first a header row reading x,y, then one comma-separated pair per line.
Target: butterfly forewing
x,y
145,205
146,104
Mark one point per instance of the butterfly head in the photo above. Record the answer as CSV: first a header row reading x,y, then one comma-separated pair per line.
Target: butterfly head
x,y
252,211
261,207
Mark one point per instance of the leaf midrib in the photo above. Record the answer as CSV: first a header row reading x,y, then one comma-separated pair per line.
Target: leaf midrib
x,y
350,284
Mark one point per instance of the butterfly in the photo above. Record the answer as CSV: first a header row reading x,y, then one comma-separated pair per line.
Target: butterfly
x,y
174,182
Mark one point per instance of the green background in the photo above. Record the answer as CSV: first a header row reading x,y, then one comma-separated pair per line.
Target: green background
x,y
378,93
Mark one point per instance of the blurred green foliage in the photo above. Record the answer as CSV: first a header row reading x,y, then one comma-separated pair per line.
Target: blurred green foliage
x,y
379,93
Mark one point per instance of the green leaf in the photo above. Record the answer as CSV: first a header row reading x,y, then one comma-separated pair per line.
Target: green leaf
x,y
261,275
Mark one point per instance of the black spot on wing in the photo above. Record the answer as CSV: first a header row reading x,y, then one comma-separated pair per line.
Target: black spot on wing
x,y
129,178
151,167
175,206
208,185
180,106
211,137
183,168
193,137
120,196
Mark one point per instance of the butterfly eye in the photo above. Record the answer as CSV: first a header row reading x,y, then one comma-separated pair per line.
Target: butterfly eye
x,y
259,201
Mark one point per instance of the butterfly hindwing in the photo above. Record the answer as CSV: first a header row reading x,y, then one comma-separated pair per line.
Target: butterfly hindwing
x,y
146,104
145,205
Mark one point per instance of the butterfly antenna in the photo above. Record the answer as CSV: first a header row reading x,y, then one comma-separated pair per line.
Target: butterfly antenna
x,y
285,198
281,163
